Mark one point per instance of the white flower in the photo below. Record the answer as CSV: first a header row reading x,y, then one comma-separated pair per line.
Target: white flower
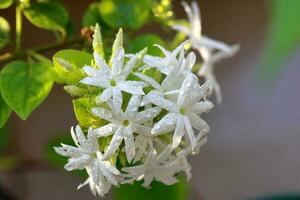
x,y
183,115
170,60
154,167
87,156
194,29
210,50
211,58
113,79
124,124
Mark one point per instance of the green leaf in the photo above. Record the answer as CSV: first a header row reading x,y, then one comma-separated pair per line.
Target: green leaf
x,y
4,32
68,64
5,3
82,108
127,14
25,85
158,191
5,112
147,40
91,15
47,15
283,36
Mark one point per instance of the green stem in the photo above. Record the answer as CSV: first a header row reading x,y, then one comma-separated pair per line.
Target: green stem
x,y
18,27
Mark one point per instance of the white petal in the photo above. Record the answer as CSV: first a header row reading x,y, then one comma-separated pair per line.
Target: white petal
x,y
150,81
133,105
132,87
165,125
202,107
67,150
161,102
148,114
106,94
179,133
129,147
117,62
190,132
100,62
103,113
117,99
78,163
114,143
198,123
142,129
95,81
106,130
78,136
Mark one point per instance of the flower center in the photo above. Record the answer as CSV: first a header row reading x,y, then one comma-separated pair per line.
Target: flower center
x,y
113,83
182,111
125,122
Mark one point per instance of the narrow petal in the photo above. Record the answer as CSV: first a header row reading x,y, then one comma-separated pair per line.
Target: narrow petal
x,y
103,113
117,99
147,115
198,123
106,94
165,125
132,87
190,131
117,62
202,107
106,130
179,132
161,102
129,147
114,143
78,163
150,81
95,81
133,105
100,62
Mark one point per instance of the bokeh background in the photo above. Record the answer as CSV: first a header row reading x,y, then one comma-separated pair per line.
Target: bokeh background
x,y
253,147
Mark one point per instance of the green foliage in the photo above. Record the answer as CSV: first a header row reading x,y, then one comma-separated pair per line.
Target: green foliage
x,y
127,14
47,15
25,85
147,40
4,32
283,36
5,112
158,191
91,15
5,3
82,108
68,64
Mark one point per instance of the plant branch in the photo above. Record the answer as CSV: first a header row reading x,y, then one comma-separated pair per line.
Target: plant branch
x,y
6,57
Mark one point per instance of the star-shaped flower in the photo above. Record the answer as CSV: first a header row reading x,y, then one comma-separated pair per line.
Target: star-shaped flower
x,y
154,167
183,115
124,124
87,156
112,77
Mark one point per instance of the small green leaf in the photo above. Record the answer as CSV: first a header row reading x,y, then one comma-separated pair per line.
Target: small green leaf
x,y
47,15
82,108
5,3
5,112
158,191
147,40
25,85
127,14
4,32
68,64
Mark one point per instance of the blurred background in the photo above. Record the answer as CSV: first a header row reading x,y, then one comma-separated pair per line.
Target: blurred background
x,y
253,148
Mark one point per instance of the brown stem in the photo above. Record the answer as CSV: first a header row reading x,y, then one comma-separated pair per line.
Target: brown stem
x,y
6,57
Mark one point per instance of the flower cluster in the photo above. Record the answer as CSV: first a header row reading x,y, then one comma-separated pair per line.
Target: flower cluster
x,y
148,112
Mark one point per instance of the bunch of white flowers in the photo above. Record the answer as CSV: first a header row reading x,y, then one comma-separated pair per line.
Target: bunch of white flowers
x,y
150,110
